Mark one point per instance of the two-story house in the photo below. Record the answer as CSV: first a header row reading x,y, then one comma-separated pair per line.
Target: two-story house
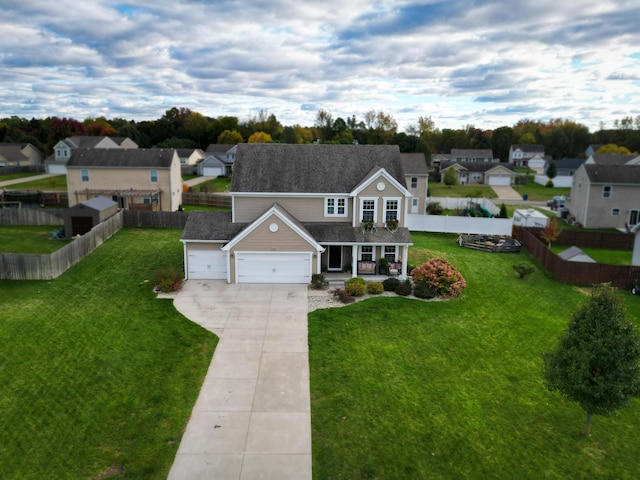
x,y
471,155
300,210
19,155
138,179
219,155
605,196
57,163
521,154
417,180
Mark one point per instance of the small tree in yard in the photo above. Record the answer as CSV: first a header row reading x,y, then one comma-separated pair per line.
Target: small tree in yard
x,y
503,211
552,171
551,231
597,360
450,177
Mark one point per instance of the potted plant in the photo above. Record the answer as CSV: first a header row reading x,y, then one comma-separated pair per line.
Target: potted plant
x,y
383,266
392,225
367,225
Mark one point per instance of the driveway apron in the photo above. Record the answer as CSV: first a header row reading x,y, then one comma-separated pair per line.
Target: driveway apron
x,y
252,419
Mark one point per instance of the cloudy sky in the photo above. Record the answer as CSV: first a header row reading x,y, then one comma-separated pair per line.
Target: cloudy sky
x,y
486,62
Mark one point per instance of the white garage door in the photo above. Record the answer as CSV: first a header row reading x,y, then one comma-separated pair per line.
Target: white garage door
x,y
500,181
207,265
269,267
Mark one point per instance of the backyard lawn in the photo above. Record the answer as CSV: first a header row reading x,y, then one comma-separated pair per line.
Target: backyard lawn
x,y
475,191
601,255
57,183
29,239
539,193
406,389
98,376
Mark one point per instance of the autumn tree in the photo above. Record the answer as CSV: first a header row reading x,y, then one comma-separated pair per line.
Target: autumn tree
x,y
597,360
551,231
230,137
612,148
259,137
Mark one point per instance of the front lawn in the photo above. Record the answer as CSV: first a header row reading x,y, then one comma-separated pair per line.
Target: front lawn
x,y
57,183
474,191
97,374
29,239
14,176
219,184
540,193
406,389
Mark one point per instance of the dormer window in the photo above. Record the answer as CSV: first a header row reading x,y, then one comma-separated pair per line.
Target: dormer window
x,y
335,207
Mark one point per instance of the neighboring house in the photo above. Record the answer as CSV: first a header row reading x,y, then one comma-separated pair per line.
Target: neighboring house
x,y
497,174
211,167
605,196
537,164
459,155
224,153
613,159
300,210
137,179
190,156
521,155
566,167
592,149
19,155
416,178
62,151
438,159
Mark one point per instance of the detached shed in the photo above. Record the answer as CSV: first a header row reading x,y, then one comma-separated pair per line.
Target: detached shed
x,y
529,218
82,217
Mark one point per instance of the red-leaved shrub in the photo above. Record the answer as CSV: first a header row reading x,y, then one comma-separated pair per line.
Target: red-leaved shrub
x,y
441,276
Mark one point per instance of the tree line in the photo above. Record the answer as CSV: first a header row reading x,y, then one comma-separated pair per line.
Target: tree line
x,y
184,128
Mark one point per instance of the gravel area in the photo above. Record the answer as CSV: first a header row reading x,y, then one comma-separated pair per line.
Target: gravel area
x,y
323,299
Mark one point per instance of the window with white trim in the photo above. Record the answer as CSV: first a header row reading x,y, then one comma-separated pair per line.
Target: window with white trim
x,y
335,207
391,209
84,175
368,209
606,191
153,176
390,252
366,253
414,182
615,212
634,217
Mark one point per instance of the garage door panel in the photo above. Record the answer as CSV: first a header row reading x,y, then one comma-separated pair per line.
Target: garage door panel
x,y
500,181
207,265
274,268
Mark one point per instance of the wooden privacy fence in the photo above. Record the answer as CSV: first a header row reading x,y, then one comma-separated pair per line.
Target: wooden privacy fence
x,y
31,216
155,219
47,267
575,273
207,199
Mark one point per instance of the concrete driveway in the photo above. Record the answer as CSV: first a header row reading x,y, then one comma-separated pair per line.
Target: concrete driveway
x,y
252,418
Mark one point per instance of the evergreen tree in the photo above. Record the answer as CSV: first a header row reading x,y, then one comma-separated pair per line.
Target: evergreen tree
x,y
597,360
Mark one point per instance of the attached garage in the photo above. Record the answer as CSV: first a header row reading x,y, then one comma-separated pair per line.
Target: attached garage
x,y
206,261
499,181
273,267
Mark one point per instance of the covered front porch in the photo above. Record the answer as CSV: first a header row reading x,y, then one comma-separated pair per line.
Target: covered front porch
x,y
370,261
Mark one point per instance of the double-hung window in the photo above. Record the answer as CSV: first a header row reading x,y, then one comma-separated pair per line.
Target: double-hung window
x,y
335,207
368,209
390,252
84,175
366,253
391,209
606,191
634,217
414,182
153,176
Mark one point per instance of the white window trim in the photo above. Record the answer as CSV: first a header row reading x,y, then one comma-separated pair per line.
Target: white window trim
x,y
610,191
384,203
395,252
637,216
335,199
82,175
373,251
375,207
414,182
151,175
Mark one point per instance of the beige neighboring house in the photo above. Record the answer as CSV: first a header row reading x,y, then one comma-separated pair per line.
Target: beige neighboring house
x,y
138,179
471,155
19,155
299,210
605,196
57,163
190,156
496,174
417,179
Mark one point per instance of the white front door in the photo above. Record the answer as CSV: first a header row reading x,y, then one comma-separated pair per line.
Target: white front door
x,y
414,205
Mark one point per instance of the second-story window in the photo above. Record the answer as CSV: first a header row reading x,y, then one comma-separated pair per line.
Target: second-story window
x,y
335,207
391,210
606,191
84,175
414,182
153,176
368,210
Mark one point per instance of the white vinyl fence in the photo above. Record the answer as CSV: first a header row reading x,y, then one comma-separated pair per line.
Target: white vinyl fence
x,y
563,182
453,203
461,225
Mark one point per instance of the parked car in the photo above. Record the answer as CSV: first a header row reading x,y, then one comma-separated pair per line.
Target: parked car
x,y
556,202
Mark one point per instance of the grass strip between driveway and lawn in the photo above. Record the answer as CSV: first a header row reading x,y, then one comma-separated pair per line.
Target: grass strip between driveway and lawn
x,y
406,389
97,374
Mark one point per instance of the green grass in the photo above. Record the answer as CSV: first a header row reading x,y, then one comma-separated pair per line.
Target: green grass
x,y
219,184
476,191
601,255
29,239
15,176
540,193
96,372
59,182
189,177
405,389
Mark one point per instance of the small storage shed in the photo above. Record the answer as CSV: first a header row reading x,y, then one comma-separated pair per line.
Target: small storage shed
x,y
82,217
529,218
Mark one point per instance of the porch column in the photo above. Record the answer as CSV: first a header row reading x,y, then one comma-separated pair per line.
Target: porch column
x,y
405,255
354,261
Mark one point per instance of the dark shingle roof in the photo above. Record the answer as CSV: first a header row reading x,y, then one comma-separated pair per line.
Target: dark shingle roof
x,y
472,153
116,157
568,163
207,225
619,174
612,159
345,233
310,168
476,167
414,164
528,147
